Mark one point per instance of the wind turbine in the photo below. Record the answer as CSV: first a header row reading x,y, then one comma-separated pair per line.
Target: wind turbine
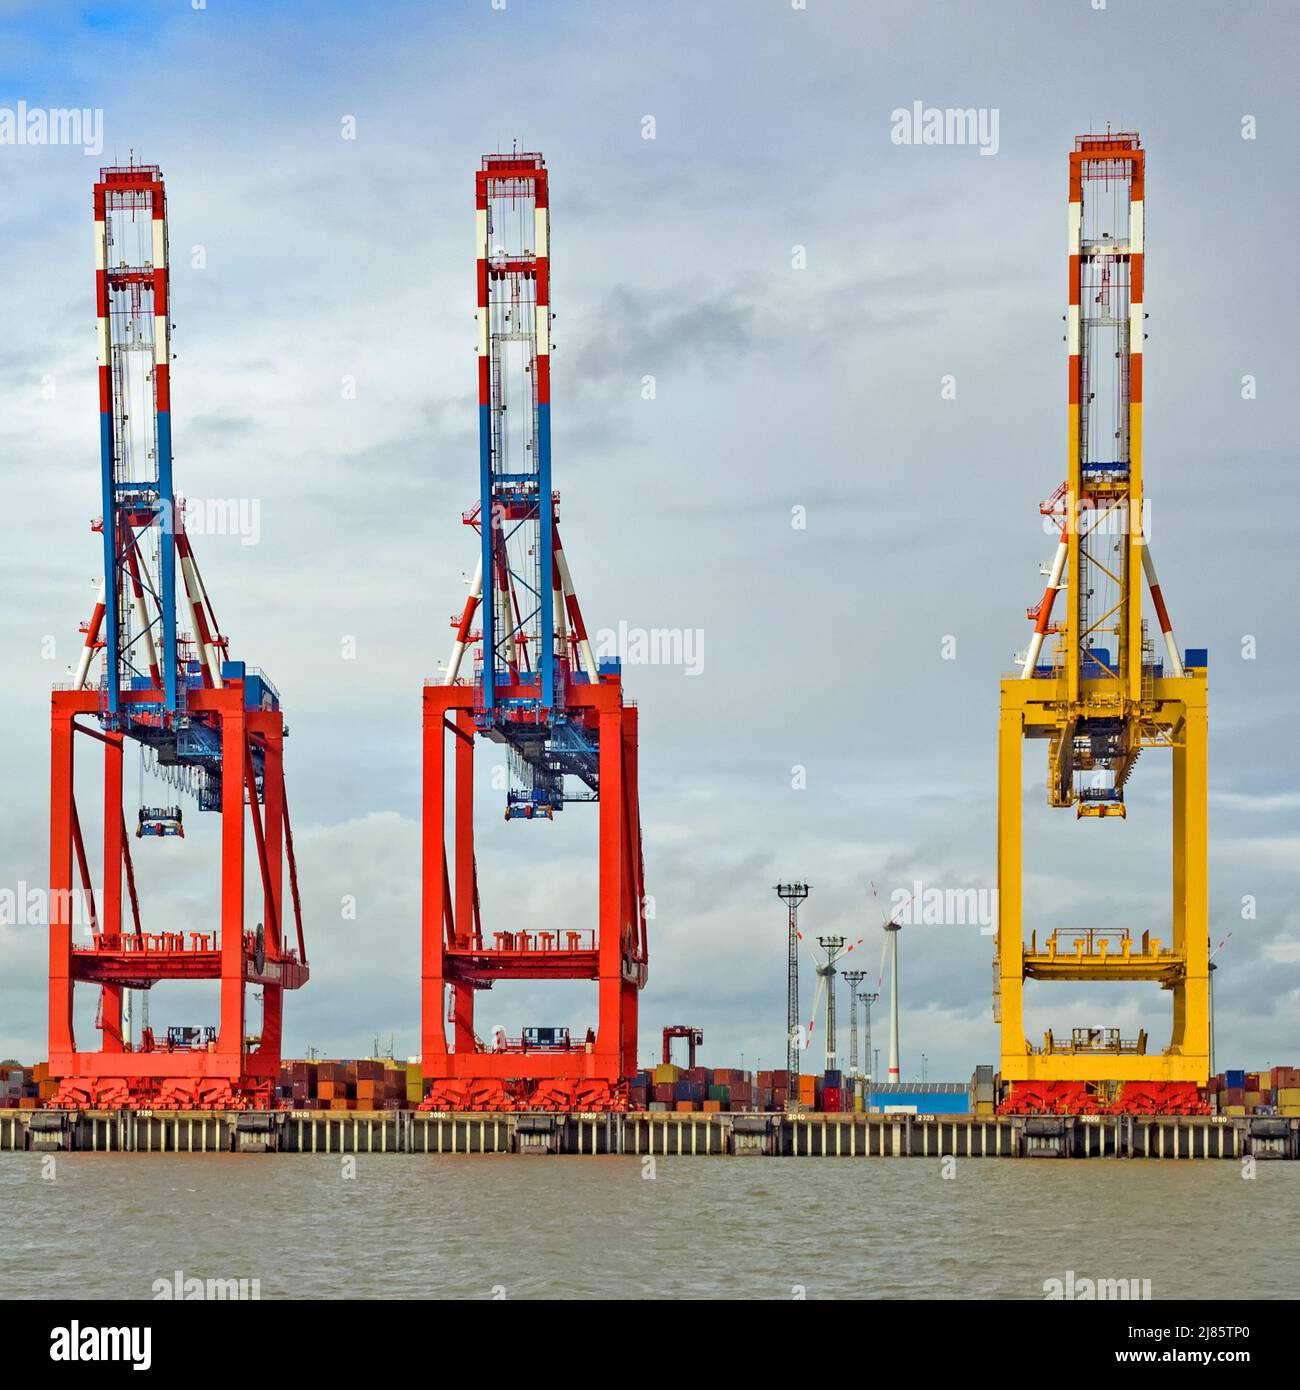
x,y
834,948
889,946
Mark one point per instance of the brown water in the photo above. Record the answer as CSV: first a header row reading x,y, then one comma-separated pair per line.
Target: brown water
x,y
107,1226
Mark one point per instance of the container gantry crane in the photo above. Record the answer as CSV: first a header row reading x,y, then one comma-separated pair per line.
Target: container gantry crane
x,y
213,726
537,690
1100,695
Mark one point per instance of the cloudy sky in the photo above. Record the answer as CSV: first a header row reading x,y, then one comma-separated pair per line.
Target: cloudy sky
x,y
864,649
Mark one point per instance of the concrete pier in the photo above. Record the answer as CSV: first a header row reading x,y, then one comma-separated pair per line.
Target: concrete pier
x,y
640,1133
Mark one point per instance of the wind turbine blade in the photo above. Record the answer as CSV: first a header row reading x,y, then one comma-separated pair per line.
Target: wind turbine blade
x,y
876,896
1220,946
817,999
884,951
903,908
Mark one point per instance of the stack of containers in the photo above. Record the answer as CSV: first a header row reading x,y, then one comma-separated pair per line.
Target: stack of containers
x,y
302,1085
333,1086
832,1091
45,1088
1272,1092
367,1079
1286,1090
1232,1098
663,1093
394,1085
15,1086
414,1081
689,1095
1252,1098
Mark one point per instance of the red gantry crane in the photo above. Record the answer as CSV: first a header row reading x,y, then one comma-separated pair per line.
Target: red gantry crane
x,y
537,690
210,726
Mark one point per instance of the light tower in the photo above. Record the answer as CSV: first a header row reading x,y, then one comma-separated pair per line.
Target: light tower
x,y
868,999
1099,696
213,726
792,894
537,690
832,945
853,978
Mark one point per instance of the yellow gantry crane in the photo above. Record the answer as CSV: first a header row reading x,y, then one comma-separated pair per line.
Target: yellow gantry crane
x,y
1092,686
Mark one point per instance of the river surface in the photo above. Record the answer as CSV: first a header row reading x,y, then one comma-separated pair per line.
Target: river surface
x,y
110,1225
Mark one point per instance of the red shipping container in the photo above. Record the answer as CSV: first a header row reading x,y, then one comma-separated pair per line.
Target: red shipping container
x,y
666,1091
831,1099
